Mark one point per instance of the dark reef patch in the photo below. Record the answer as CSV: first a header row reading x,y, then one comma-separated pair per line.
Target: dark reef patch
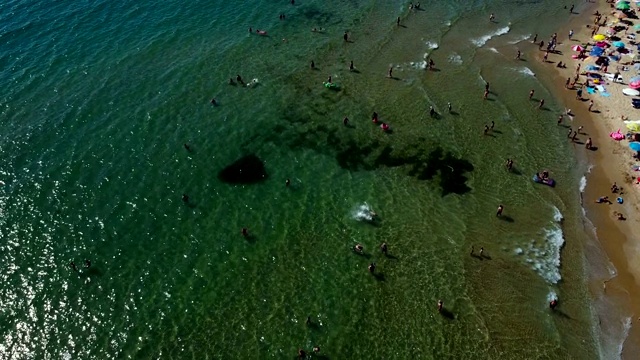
x,y
246,170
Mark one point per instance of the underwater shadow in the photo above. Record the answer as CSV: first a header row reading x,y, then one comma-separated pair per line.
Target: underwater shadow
x,y
515,171
447,314
506,218
246,170
379,276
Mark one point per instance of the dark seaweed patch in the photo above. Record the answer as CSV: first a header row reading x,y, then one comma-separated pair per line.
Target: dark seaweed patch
x,y
246,170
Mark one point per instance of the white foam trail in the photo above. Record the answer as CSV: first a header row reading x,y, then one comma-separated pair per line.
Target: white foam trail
x,y
419,65
583,183
520,39
557,215
455,59
492,49
447,23
625,333
552,296
432,45
363,212
526,71
544,255
483,39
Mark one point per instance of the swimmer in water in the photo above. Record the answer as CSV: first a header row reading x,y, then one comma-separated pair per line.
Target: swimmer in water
x,y
313,65
351,67
87,263
345,121
531,94
500,209
358,248
287,183
245,232
214,102
239,79
73,266
384,248
449,106
187,147
329,80
372,267
440,305
185,198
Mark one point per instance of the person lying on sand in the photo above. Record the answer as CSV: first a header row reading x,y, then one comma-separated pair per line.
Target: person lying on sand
x,y
603,199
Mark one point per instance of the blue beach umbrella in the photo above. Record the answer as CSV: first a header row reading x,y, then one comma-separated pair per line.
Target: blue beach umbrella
x,y
596,51
618,44
635,146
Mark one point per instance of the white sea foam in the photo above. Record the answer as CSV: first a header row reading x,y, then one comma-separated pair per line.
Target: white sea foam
x,y
419,64
432,45
543,255
626,326
519,39
557,215
363,212
455,59
447,23
526,71
583,183
483,39
492,49
552,296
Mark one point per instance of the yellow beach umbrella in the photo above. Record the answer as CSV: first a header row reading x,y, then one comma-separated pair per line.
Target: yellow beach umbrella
x,y
599,37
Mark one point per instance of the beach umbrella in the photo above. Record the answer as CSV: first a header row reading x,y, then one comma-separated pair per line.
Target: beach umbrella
x,y
635,79
618,44
596,51
577,48
623,6
601,44
599,37
635,146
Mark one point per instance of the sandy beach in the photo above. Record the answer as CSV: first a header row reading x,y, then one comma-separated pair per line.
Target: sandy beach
x,y
612,161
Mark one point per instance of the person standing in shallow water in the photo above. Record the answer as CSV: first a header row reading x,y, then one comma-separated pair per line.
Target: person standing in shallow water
x,y
345,37
500,209
531,94
541,104
351,67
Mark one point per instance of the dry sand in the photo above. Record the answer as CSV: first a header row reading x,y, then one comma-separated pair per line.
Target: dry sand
x,y
612,160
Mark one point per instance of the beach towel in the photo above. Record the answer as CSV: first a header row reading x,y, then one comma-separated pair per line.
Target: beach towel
x,y
591,90
603,91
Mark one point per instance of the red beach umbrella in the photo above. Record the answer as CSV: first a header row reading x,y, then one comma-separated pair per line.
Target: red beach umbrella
x,y
577,48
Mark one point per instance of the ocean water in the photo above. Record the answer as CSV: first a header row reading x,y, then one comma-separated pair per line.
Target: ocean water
x,y
100,98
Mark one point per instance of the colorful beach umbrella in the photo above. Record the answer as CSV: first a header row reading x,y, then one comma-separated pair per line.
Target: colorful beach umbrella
x,y
577,48
601,44
599,37
596,51
634,82
635,146
618,44
623,6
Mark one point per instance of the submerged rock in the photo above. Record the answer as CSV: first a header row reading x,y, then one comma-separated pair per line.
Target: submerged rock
x,y
246,170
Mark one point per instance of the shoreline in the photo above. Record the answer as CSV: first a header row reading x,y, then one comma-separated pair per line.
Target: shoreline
x,y
607,164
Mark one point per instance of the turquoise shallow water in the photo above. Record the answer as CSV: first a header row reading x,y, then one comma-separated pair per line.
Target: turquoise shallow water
x,y
100,98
